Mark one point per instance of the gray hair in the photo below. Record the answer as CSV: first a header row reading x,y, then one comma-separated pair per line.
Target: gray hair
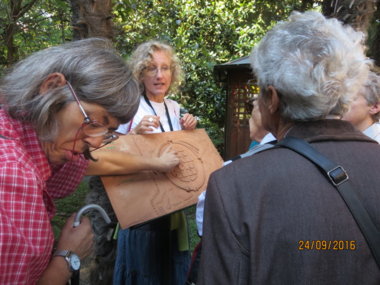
x,y
371,92
316,65
142,56
96,72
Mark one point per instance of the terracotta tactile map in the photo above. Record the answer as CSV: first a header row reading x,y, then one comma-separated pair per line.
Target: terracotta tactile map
x,y
140,197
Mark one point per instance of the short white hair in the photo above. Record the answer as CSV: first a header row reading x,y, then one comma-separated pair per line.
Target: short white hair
x,y
315,64
371,91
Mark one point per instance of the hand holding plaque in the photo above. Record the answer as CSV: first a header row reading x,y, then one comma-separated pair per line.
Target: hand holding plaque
x,y
140,197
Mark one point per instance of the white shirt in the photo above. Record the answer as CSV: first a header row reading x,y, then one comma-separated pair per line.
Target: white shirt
x,y
144,109
267,138
373,132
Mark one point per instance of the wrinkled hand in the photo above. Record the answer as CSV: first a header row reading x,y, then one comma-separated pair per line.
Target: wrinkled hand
x,y
147,124
188,122
168,160
79,239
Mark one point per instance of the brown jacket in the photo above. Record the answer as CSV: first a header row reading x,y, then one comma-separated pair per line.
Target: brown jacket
x,y
273,218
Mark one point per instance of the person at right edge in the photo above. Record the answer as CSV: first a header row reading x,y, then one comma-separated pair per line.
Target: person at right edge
x,y
274,218
364,111
155,252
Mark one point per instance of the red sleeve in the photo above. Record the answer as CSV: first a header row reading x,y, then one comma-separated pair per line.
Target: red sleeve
x,y
26,238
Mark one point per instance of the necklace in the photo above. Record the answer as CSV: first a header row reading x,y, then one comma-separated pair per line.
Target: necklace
x,y
166,111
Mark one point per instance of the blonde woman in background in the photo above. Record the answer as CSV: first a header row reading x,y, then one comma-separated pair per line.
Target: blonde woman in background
x,y
156,252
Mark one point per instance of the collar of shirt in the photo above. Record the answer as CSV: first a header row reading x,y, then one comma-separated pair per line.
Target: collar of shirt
x,y
373,132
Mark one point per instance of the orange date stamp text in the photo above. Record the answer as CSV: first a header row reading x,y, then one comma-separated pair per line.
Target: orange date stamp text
x,y
327,245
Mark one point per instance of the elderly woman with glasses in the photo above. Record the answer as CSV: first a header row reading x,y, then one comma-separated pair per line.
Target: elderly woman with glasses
x,y
274,217
155,252
59,104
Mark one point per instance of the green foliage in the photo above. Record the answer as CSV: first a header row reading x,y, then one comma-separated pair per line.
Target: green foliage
x,y
44,24
194,239
204,33
69,205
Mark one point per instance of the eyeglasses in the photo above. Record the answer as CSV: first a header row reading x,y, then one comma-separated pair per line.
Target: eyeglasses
x,y
90,127
153,70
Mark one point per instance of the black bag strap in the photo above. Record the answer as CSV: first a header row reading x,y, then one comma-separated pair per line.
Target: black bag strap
x,y
339,178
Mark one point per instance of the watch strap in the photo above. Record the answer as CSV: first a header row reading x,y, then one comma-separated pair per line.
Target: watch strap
x,y
75,278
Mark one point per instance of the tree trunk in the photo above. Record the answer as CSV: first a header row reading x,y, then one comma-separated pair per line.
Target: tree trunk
x,y
374,38
92,18
357,13
362,15
12,51
16,11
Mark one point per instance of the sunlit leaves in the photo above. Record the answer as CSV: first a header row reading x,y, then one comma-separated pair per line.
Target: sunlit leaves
x,y
204,33
40,25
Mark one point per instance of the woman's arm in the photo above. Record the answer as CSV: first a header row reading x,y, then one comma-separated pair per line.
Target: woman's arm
x,y
57,273
78,240
112,162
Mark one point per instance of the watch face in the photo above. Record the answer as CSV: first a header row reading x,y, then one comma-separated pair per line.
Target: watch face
x,y
75,262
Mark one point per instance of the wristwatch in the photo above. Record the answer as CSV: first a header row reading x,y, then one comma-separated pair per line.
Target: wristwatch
x,y
71,258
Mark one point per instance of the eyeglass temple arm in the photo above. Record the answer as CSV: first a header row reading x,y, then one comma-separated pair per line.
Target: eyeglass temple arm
x,y
77,99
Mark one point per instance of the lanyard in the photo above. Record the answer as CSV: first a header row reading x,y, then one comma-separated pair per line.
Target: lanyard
x,y
154,111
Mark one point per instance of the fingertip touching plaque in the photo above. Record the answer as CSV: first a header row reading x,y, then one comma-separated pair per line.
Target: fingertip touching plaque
x,y
189,174
143,196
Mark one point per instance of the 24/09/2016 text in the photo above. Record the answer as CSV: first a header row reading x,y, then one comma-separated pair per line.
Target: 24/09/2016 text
x,y
326,245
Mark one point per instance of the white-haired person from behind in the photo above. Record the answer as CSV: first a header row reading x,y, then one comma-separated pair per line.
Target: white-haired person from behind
x,y
265,141
273,217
